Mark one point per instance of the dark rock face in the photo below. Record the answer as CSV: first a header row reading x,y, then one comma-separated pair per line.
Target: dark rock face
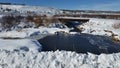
x,y
80,43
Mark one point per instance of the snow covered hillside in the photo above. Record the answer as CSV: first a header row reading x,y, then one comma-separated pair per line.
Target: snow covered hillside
x,y
57,59
106,27
24,9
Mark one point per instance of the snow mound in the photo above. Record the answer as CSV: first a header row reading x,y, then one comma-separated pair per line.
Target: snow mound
x,y
107,27
20,44
57,59
28,32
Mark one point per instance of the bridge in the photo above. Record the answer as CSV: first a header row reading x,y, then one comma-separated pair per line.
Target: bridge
x,y
70,19
73,22
92,15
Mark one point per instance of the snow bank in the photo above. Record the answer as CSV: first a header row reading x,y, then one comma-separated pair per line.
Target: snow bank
x,y
30,32
1,16
20,44
57,59
102,27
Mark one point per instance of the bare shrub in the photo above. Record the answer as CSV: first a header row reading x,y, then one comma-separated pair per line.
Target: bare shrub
x,y
38,20
42,20
8,22
49,20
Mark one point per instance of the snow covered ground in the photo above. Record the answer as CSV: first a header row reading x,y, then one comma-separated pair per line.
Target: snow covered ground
x,y
23,53
107,27
13,51
20,44
57,59
31,32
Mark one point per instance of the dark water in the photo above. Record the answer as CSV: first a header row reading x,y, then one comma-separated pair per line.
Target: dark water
x,y
80,43
73,24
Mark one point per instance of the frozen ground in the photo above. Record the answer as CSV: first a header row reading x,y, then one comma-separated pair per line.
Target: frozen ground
x,y
57,59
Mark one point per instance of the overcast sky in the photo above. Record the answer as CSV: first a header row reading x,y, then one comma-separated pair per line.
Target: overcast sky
x,y
73,4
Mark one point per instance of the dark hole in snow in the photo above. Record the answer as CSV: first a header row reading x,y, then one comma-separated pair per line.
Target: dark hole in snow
x,y
35,33
16,50
80,43
24,48
73,24
39,49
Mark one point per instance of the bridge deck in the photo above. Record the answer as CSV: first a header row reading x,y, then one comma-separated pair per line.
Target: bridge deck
x,y
67,19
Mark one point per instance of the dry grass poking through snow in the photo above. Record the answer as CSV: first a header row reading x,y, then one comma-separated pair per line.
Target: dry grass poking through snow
x,y
42,20
7,22
10,21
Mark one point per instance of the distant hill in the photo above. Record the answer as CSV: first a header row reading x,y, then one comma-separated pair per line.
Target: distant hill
x,y
89,11
21,9
1,3
91,14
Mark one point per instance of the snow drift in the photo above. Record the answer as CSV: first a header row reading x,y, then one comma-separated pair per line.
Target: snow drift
x,y
57,59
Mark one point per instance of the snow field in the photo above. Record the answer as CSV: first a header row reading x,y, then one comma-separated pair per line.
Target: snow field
x,y
20,44
106,27
57,59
